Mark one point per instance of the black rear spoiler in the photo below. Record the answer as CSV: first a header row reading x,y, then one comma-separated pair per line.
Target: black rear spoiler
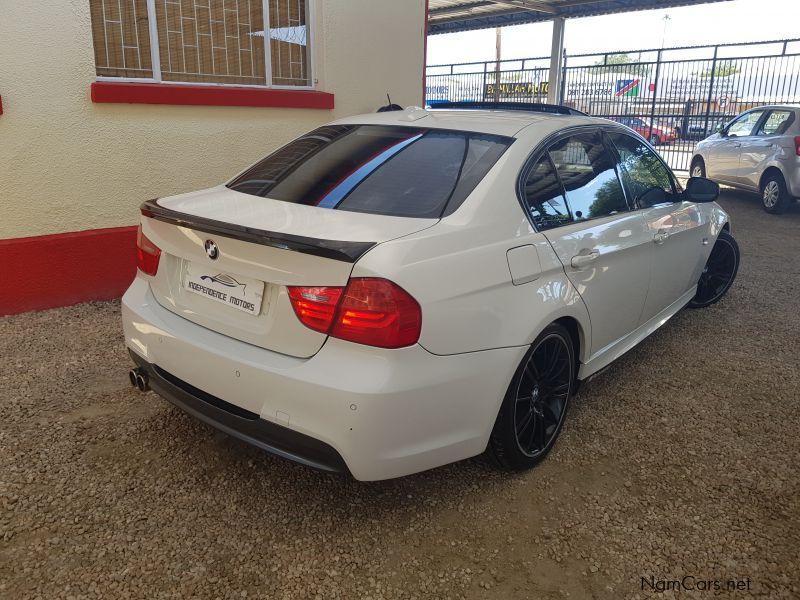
x,y
333,249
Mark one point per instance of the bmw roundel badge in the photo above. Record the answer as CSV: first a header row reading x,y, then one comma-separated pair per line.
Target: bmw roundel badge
x,y
212,250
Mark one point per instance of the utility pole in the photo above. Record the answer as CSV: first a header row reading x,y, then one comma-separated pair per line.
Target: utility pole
x,y
498,35
666,18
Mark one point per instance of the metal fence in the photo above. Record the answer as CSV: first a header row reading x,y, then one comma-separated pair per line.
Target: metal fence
x,y
673,96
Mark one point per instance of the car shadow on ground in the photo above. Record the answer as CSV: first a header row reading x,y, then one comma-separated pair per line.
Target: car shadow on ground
x,y
743,198
680,459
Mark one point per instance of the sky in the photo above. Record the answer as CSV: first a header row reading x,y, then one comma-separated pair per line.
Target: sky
x,y
723,22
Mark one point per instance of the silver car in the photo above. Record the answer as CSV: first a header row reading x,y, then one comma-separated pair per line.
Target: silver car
x,y
758,151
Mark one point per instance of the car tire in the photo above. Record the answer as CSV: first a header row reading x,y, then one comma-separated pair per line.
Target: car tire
x,y
774,195
535,405
719,272
654,140
698,168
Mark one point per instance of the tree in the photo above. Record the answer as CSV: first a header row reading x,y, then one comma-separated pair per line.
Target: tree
x,y
623,62
722,69
607,199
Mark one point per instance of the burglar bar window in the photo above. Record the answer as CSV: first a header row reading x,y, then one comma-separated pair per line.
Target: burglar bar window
x,y
203,41
211,41
121,38
288,31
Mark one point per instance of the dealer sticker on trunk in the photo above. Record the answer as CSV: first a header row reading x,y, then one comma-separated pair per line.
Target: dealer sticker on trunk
x,y
241,293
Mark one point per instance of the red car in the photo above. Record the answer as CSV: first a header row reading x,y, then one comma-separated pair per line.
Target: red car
x,y
658,134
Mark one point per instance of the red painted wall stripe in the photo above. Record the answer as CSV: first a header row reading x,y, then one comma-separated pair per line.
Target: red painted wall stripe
x,y
203,95
66,268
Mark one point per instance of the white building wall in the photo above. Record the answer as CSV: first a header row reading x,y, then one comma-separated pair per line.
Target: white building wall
x,y
67,164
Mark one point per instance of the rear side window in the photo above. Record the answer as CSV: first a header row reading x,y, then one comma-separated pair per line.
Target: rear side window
x,y
386,170
544,196
777,123
587,172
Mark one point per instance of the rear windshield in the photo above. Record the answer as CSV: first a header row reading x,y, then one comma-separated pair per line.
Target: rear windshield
x,y
385,170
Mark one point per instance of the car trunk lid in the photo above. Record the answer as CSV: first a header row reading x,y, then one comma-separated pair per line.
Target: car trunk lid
x,y
228,257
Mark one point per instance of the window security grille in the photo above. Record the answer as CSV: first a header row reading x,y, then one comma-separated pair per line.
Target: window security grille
x,y
204,41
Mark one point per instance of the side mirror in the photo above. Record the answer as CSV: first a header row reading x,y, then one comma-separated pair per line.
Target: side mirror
x,y
700,189
720,129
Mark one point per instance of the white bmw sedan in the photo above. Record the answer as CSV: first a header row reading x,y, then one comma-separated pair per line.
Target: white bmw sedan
x,y
397,291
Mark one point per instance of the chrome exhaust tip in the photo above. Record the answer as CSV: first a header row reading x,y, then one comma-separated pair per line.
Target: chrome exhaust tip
x,y
139,380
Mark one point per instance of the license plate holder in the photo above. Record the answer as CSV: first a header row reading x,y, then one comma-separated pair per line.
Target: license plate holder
x,y
241,293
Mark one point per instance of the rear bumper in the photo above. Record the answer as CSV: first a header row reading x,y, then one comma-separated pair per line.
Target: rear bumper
x,y
375,412
240,423
792,170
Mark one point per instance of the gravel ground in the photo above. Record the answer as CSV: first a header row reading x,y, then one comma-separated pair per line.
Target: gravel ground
x,y
680,460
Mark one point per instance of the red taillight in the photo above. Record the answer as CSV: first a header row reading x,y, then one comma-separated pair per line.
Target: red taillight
x,y
377,312
797,145
315,306
147,254
370,311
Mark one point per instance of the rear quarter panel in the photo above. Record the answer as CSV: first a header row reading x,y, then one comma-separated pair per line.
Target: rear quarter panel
x,y
458,270
788,161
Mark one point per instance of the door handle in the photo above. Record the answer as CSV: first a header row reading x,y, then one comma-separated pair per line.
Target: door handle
x,y
661,236
582,260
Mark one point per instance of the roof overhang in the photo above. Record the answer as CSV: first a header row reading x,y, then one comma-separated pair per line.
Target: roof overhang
x,y
450,16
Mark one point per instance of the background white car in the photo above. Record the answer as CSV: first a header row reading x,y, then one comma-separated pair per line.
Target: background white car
x,y
397,291
758,151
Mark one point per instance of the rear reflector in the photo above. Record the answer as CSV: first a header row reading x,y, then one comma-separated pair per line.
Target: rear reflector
x,y
370,311
797,145
147,254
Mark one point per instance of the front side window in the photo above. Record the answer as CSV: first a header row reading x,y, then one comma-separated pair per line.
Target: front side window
x,y
234,42
587,172
387,170
646,179
744,125
777,123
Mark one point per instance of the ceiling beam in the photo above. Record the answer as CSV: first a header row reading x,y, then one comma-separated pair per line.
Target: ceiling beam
x,y
458,8
481,14
440,19
534,5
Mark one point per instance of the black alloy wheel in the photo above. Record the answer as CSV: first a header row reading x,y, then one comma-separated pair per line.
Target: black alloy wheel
x,y
536,402
719,272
